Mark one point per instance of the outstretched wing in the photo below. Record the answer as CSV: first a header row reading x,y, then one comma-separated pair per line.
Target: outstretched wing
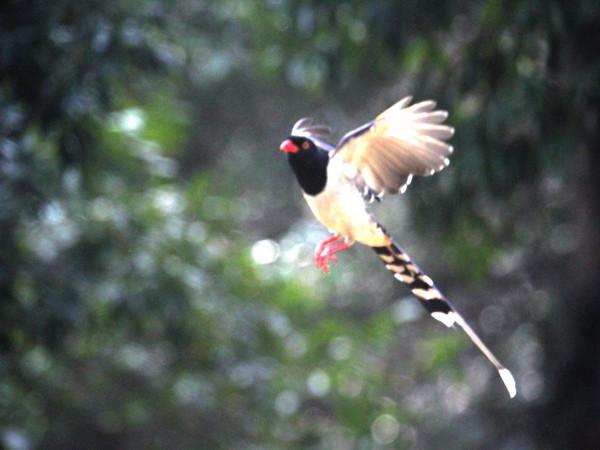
x,y
400,142
316,132
306,127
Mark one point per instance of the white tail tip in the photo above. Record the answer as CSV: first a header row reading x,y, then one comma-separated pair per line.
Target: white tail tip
x,y
509,381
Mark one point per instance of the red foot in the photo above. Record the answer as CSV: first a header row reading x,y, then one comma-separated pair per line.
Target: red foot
x,y
326,250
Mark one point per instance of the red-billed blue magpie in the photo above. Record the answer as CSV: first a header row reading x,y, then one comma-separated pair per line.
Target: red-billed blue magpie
x,y
377,158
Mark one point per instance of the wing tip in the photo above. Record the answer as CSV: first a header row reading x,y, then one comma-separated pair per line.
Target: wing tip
x,y
405,101
424,106
307,127
302,122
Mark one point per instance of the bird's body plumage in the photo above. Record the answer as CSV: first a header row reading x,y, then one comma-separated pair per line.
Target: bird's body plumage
x,y
377,158
340,207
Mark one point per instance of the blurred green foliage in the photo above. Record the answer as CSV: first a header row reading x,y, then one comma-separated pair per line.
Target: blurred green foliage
x,y
155,281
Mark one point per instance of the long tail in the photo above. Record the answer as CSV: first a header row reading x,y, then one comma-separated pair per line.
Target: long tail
x,y
405,270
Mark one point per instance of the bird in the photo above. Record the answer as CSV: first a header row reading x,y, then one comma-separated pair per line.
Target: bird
x,y
379,157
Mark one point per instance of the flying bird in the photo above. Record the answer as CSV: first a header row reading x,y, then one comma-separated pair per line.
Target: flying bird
x,y
377,158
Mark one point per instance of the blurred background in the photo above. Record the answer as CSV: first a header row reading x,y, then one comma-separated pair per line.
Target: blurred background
x,y
156,280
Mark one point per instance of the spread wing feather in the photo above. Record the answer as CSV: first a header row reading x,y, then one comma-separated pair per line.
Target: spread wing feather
x,y
315,131
401,142
305,126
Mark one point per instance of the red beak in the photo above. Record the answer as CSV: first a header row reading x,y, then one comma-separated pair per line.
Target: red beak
x,y
288,146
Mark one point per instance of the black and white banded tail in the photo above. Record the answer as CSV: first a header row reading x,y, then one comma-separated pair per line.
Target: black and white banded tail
x,y
405,270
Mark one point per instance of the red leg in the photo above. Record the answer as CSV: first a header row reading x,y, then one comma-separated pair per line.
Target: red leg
x,y
321,247
326,251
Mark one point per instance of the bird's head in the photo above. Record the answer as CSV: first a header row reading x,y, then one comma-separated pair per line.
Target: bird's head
x,y
297,145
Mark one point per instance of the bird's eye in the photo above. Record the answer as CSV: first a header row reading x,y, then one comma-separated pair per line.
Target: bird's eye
x,y
305,145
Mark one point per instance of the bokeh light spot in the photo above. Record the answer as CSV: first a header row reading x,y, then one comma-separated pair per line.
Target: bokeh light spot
x,y
265,251
385,429
318,383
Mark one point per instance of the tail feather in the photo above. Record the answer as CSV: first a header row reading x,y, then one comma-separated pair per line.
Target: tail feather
x,y
406,271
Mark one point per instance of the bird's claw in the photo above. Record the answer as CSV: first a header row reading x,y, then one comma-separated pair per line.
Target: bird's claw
x,y
326,252
322,260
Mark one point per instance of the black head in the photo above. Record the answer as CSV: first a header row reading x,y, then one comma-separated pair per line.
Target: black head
x,y
308,162
298,144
